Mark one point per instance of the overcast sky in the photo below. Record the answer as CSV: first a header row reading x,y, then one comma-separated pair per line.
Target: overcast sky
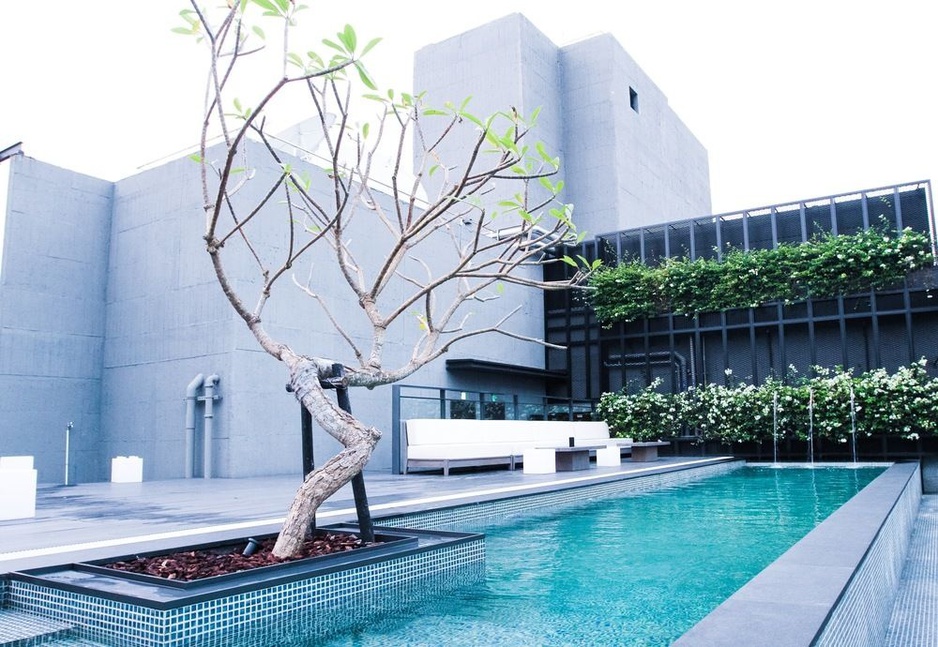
x,y
791,99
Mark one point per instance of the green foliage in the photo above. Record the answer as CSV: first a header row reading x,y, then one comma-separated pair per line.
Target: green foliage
x,y
640,282
729,414
824,267
627,415
903,404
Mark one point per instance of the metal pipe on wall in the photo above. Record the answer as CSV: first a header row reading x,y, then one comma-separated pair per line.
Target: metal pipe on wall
x,y
209,398
191,397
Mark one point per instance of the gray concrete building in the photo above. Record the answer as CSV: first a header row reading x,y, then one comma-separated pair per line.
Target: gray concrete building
x,y
110,312
628,160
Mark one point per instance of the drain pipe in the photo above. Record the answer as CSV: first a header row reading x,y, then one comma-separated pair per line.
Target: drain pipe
x,y
209,397
191,392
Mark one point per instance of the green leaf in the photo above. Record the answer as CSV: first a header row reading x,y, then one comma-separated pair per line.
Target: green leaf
x,y
333,45
542,151
370,46
363,75
428,112
296,60
365,128
471,117
265,4
185,31
569,261
195,157
347,37
433,169
315,58
260,32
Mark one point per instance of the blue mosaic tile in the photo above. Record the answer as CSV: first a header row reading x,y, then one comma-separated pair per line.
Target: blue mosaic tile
x,y
862,614
294,612
477,516
306,608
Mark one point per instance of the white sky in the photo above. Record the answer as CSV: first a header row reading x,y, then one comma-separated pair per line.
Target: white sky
x,y
792,99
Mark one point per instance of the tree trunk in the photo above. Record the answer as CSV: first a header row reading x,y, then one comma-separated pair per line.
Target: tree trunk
x,y
359,442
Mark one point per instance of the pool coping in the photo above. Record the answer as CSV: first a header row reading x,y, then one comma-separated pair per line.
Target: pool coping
x,y
320,603
104,547
796,600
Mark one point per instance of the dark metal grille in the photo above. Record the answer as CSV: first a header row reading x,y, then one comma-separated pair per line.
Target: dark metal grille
x,y
863,331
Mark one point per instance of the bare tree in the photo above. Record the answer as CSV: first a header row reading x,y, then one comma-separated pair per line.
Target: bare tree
x,y
490,238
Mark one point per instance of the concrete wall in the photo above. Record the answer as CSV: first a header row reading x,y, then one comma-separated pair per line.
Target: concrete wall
x,y
628,167
110,306
52,287
168,321
503,65
623,167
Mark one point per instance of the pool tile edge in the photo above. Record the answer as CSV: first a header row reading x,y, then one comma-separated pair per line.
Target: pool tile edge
x,y
848,606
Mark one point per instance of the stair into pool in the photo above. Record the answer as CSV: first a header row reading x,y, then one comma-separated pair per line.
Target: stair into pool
x,y
18,629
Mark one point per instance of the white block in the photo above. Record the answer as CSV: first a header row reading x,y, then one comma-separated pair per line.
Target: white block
x,y
17,491
126,469
539,461
609,456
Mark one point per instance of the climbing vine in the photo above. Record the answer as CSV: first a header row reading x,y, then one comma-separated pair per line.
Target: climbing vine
x,y
823,267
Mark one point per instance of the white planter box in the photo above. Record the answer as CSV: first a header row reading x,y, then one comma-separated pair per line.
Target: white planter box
x,y
126,469
17,488
609,456
539,461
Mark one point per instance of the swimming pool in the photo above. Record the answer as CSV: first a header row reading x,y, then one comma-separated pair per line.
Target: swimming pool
x,y
637,569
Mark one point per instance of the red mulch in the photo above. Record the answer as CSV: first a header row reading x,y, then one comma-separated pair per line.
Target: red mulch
x,y
196,564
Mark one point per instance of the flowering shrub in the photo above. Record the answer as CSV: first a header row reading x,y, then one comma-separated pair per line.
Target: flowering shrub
x,y
831,405
904,403
729,414
646,415
823,267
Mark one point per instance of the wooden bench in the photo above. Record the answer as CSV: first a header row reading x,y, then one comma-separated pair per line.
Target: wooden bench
x,y
443,444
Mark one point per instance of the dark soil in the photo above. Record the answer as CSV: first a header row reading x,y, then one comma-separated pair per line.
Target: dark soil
x,y
196,564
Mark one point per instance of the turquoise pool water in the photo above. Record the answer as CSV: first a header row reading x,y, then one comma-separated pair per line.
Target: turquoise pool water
x,y
635,570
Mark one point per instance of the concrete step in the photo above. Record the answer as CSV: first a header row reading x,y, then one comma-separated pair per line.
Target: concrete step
x,y
18,629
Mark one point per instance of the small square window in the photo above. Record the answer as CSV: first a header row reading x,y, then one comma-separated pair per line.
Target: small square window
x,y
633,99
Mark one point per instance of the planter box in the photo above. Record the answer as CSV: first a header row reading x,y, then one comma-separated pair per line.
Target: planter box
x,y
306,598
391,542
126,469
17,488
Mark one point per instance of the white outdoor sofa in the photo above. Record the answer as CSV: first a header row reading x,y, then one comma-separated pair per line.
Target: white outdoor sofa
x,y
443,443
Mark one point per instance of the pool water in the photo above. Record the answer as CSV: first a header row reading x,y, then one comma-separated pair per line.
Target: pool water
x,y
639,569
